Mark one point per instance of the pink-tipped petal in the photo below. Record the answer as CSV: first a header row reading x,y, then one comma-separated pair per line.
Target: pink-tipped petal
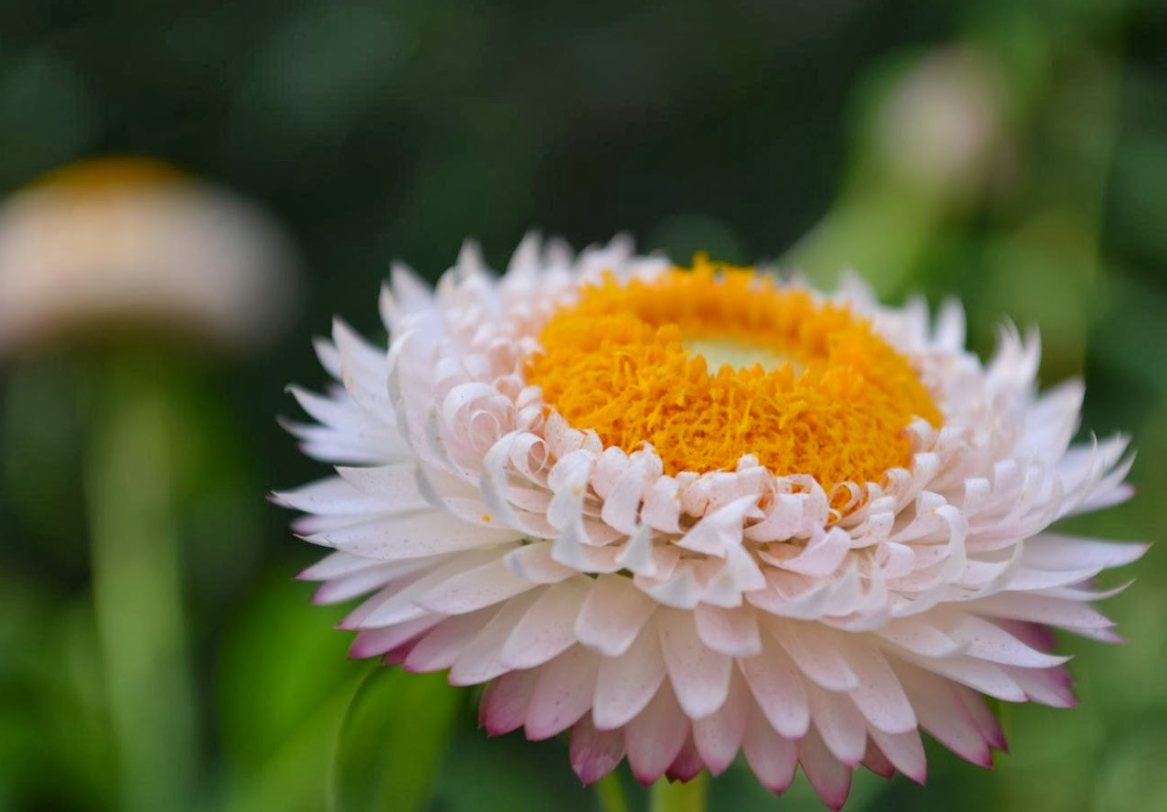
x,y
830,778
655,737
505,701
595,753
564,693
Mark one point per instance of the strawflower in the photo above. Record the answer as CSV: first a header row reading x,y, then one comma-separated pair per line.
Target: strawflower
x,y
684,514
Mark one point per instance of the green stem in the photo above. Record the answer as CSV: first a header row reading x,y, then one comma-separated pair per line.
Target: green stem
x,y
666,796
611,794
137,591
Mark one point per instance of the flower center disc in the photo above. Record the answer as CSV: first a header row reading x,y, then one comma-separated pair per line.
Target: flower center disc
x,y
715,363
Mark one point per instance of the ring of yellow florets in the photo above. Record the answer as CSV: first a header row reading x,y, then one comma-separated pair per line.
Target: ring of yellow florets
x,y
827,397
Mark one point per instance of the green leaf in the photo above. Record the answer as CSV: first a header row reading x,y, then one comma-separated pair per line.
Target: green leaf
x,y
392,742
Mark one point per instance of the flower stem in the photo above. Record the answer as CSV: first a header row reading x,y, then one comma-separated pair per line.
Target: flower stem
x,y
611,794
691,796
137,590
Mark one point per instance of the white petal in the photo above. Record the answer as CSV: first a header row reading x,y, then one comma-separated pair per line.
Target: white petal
x,y
730,631
719,735
412,536
840,724
548,627
699,675
627,683
612,614
779,690
563,694
815,650
474,589
880,697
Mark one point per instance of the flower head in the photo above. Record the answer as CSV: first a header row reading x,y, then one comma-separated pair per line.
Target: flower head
x,y
687,513
130,241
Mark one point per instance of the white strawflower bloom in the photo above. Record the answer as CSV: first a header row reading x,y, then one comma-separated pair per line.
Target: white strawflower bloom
x,y
553,484
129,241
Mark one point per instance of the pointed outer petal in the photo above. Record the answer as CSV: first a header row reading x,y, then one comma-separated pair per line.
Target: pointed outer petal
x,y
1079,595
627,683
330,497
399,606
655,737
374,642
533,562
474,589
986,677
1048,686
504,703
822,556
877,762
396,485
943,714
358,583
948,331
879,697
983,717
564,693
328,355
840,724
412,536
441,647
1106,495
480,661
1064,614
700,676
815,649
662,506
1029,580
772,757
687,764
987,641
411,292
612,615
830,778
722,528
595,753
904,751
548,627
919,636
717,737
1051,551
733,632
340,564
779,690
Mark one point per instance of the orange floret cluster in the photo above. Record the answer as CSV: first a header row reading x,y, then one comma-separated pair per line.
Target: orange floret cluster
x,y
616,362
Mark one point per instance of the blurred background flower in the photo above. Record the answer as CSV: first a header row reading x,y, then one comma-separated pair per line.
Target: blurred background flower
x,y
1011,153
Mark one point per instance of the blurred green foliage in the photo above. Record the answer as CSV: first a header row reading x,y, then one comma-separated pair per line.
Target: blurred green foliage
x,y
752,129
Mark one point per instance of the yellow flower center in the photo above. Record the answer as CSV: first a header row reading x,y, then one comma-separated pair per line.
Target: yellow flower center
x,y
720,362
